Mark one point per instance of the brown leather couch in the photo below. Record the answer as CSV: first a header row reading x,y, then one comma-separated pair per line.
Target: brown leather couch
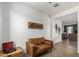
x,y
37,46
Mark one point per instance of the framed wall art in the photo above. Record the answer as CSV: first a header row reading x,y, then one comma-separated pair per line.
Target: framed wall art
x,y
56,27
33,25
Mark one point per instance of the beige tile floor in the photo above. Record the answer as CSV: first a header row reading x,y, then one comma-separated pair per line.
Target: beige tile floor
x,y
65,48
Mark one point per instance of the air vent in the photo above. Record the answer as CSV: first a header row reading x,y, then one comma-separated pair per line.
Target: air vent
x,y
56,5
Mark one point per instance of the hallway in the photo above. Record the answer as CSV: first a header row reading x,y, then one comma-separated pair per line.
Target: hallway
x,y
65,49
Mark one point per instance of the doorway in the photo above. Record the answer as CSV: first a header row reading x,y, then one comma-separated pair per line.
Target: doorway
x,y
69,31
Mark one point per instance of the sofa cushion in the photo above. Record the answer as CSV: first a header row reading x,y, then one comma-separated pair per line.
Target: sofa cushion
x,y
42,48
37,41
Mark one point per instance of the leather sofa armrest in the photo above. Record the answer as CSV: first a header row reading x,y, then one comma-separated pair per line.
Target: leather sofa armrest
x,y
49,42
31,49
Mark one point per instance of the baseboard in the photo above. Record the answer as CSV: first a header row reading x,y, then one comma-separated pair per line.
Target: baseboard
x,y
57,42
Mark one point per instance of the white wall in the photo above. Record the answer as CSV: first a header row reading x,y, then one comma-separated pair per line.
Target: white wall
x,y
4,23
78,33
0,29
19,16
56,37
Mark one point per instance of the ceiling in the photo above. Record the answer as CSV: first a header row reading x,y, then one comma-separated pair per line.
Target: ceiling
x,y
49,9
69,19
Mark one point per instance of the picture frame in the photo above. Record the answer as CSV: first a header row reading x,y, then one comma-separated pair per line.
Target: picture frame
x,y
33,25
56,27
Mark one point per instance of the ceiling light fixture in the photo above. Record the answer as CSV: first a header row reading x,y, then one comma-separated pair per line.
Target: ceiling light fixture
x,y
56,5
50,2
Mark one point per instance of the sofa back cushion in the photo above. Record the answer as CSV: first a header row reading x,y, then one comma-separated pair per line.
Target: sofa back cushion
x,y
37,41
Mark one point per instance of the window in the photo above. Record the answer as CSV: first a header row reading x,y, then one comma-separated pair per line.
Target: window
x,y
69,29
